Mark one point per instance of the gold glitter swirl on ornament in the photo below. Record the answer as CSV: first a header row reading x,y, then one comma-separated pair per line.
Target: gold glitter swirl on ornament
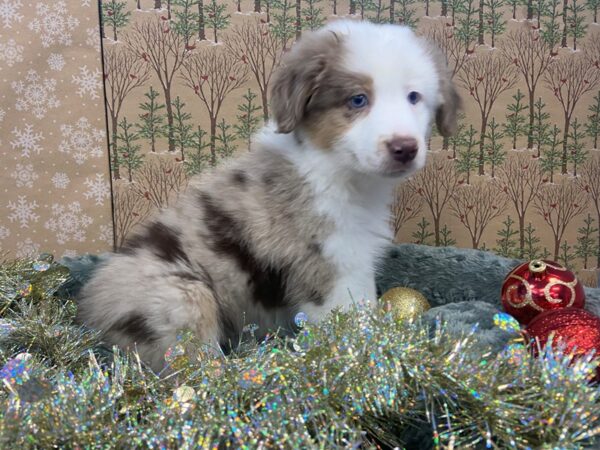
x,y
528,296
555,301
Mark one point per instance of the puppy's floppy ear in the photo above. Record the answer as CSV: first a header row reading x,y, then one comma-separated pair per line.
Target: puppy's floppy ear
x,y
446,115
298,77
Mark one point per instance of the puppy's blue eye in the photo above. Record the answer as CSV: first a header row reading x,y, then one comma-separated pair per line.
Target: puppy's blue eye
x,y
414,97
358,101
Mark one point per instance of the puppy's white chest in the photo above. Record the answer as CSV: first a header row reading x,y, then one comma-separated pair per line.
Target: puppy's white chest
x,y
354,247
361,228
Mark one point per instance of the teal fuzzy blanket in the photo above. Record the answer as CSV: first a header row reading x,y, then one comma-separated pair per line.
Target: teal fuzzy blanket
x,y
462,285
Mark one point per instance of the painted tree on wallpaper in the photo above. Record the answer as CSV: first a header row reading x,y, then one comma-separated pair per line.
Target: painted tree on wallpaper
x,y
576,27
406,206
494,23
550,30
127,154
494,153
577,154
253,45
282,21
467,159
151,124
406,14
435,185
541,130
475,207
213,74
592,125
123,73
115,15
312,15
183,134
201,21
130,210
467,23
485,77
551,158
457,140
216,18
514,125
559,204
198,160
590,184
153,42
186,20
520,181
159,180
454,6
531,56
506,242
226,138
248,121
570,78
587,246
362,7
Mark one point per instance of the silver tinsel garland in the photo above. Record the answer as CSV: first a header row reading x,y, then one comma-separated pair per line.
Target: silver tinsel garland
x,y
359,380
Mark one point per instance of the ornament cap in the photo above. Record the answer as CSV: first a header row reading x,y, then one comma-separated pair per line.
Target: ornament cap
x,y
537,266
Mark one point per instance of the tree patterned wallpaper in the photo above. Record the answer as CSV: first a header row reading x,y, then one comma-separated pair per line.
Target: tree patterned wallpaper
x,y
186,83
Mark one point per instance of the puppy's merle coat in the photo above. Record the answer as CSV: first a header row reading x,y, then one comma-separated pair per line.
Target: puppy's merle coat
x,y
298,224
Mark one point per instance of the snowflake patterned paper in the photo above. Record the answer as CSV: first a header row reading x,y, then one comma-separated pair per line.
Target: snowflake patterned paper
x,y
10,52
27,141
88,83
54,179
10,12
24,175
35,94
68,222
53,23
81,141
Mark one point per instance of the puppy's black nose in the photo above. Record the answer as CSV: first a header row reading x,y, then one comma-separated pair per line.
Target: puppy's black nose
x,y
403,149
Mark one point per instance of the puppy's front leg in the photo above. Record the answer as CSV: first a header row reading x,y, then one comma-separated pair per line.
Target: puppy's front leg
x,y
359,289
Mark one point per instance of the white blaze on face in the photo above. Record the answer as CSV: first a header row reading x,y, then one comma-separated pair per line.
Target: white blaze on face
x,y
398,63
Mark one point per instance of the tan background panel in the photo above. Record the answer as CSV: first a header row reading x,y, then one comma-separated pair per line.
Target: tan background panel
x,y
54,179
450,203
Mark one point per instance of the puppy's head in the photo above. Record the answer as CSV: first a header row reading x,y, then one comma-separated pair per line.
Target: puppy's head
x,y
366,93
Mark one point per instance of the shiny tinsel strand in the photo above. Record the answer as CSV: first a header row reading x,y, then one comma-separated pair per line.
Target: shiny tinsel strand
x,y
359,380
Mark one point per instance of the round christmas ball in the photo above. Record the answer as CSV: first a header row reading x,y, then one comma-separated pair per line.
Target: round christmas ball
x,y
540,285
577,329
404,303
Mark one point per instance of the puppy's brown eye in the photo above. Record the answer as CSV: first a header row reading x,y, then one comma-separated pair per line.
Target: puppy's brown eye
x,y
414,97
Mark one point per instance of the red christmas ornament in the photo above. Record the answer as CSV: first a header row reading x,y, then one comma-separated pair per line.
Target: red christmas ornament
x,y
539,286
577,329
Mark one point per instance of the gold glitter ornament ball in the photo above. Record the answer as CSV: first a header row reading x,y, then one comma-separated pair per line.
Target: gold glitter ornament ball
x,y
405,303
